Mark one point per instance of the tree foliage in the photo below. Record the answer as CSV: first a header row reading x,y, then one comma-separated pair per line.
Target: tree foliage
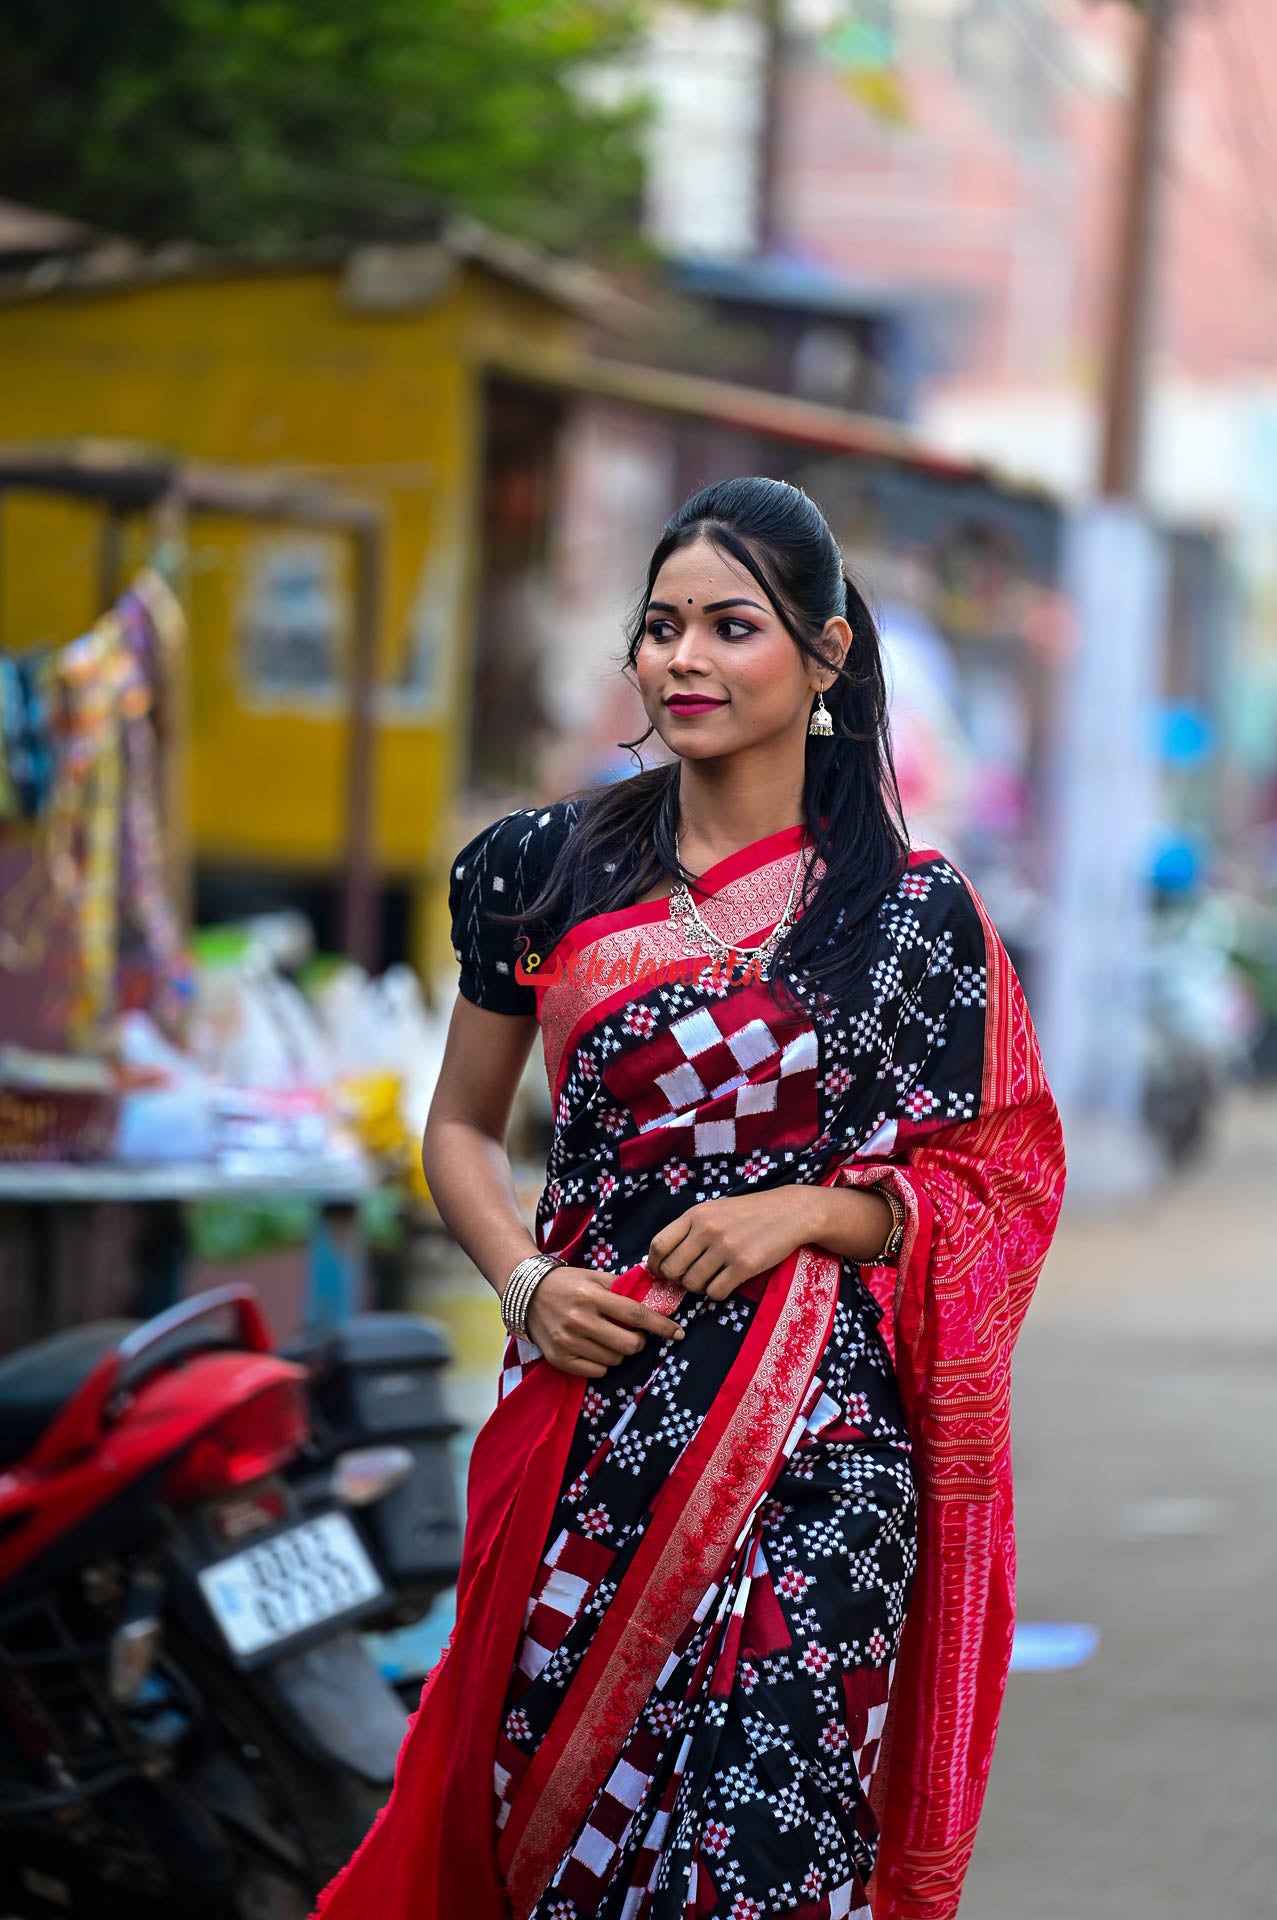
x,y
255,123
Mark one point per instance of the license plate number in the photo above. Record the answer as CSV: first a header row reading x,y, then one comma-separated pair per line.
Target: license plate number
x,y
277,1589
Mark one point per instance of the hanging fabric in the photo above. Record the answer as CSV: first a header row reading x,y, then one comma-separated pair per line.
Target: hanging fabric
x,y
154,629
81,761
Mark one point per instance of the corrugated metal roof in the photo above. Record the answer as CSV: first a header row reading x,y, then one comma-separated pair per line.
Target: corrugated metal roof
x,y
115,266
30,230
801,423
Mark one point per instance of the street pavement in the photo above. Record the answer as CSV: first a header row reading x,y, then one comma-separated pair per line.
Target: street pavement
x,y
1142,1785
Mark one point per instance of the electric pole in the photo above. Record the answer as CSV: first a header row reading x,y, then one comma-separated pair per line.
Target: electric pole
x,y
1126,346
772,17
1115,572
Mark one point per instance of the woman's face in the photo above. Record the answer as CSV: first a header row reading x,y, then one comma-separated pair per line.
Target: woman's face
x,y
716,668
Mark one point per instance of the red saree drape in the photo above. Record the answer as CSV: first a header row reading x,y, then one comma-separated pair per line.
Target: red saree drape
x,y
982,1195
982,1200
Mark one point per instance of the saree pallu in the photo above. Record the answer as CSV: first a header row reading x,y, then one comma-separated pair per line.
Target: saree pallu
x,y
697,1669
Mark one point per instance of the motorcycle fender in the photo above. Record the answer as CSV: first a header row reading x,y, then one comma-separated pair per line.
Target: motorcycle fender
x,y
339,1707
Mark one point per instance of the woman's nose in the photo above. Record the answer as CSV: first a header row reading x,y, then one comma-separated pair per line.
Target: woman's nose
x,y
687,652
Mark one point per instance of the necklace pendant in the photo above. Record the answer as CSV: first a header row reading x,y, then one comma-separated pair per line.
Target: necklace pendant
x,y
699,938
683,913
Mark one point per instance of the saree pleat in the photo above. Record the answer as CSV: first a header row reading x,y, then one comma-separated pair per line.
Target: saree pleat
x,y
703,1784
734,1622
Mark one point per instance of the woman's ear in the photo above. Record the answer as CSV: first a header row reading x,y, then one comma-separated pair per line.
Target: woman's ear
x,y
835,644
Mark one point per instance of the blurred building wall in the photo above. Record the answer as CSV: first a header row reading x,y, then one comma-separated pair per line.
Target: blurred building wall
x,y
704,71
366,372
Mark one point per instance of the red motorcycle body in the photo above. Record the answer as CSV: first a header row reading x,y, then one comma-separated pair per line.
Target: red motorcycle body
x,y
189,1724
146,1408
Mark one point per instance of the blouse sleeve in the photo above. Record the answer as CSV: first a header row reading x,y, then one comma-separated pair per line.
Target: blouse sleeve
x,y
502,867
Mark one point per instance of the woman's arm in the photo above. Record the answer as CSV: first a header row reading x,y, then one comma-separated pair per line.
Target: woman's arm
x,y
717,1245
577,1322
463,1152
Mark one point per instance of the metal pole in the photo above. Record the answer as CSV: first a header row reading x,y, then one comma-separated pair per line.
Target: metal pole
x,y
1092,1001
111,558
772,14
358,876
170,534
1132,287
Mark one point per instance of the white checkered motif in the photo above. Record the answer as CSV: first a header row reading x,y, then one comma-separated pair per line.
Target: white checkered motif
x,y
595,1851
840,1899
519,1359
751,1046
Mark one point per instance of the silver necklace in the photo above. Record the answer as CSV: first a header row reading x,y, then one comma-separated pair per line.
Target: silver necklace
x,y
697,935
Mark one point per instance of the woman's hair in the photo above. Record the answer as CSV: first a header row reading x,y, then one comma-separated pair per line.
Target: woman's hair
x,y
623,840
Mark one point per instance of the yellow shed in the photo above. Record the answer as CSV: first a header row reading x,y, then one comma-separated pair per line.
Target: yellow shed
x,y
366,367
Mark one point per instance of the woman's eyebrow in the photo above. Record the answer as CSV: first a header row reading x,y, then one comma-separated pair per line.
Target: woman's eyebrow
x,y
712,606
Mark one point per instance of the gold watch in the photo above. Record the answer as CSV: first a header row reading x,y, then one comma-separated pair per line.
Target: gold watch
x,y
896,1236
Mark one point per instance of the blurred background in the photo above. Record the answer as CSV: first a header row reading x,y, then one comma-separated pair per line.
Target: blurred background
x,y
350,363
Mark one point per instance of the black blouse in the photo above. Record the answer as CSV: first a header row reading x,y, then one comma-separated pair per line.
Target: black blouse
x,y
504,866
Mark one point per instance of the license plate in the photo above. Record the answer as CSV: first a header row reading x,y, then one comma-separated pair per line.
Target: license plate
x,y
277,1589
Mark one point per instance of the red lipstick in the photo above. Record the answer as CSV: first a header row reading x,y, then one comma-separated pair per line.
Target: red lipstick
x,y
692,703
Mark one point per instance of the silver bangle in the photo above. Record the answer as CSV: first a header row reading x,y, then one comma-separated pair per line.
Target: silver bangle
x,y
516,1296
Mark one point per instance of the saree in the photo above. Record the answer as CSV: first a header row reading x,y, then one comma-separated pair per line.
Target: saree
x,y
734,1622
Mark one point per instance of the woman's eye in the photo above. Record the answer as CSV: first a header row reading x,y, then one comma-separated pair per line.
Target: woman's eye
x,y
726,629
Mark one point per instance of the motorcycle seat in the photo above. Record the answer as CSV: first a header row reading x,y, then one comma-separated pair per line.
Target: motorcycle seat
x,y
37,1381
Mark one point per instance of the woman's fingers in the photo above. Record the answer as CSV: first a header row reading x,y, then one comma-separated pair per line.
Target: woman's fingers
x,y
662,1244
617,1342
672,1262
627,1312
583,1327
588,1369
706,1267
598,1352
587,1326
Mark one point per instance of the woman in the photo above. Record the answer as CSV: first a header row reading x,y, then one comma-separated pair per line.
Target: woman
x,y
735,1615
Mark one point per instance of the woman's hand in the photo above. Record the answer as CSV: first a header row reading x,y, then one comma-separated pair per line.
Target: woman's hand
x,y
581,1326
717,1245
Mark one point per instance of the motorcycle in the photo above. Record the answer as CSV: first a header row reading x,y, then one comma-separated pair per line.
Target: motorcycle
x,y
1199,1021
189,1723
379,1444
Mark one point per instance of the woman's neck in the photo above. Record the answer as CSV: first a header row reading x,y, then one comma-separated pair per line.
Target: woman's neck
x,y
719,816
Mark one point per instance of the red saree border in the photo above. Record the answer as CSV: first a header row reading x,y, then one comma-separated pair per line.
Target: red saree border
x,y
719,1478
999,981
982,1198
651,913
733,866
606,960
431,1848
648,921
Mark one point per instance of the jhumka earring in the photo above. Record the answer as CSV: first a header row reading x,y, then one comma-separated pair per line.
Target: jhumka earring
x,y
821,721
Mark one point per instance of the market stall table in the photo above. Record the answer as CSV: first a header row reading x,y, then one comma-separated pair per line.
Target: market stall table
x,y
47,1192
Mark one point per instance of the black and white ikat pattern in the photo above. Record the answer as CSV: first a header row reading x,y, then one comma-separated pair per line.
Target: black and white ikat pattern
x,y
502,866
905,1058
742,1790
